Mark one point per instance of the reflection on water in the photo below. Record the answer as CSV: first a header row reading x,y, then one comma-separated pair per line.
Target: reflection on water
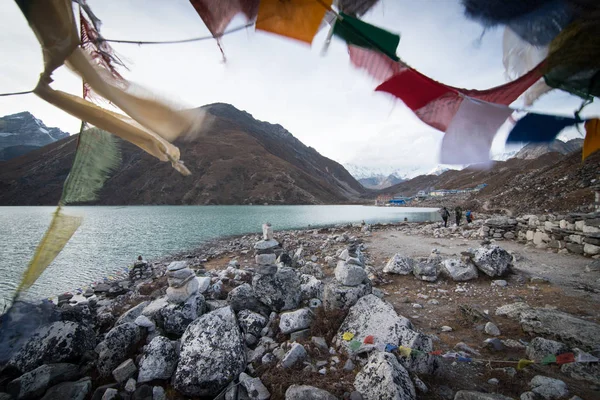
x,y
111,237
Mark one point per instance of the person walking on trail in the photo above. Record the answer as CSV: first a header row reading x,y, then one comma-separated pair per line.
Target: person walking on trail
x,y
469,216
445,215
458,214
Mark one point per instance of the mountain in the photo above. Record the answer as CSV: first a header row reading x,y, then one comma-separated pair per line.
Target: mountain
x,y
380,181
535,150
21,133
384,177
236,160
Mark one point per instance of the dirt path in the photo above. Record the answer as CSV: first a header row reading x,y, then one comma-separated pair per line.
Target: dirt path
x,y
568,271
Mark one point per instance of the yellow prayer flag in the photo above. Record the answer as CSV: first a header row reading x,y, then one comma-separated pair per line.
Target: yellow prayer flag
x,y
296,19
524,363
404,351
347,336
592,138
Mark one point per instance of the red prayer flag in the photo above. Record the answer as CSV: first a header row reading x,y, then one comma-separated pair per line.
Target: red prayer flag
x,y
565,358
436,353
369,340
217,14
378,65
413,88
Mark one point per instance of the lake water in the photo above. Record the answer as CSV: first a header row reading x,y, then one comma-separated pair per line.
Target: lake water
x,y
110,238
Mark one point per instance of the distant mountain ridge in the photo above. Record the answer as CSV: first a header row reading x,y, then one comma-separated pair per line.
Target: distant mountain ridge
x,y
235,160
21,133
532,151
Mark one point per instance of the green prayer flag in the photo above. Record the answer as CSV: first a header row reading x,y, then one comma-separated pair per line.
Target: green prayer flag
x,y
355,345
359,33
549,359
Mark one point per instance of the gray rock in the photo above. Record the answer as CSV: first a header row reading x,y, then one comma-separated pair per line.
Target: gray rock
x,y
336,296
314,269
304,392
426,271
264,245
110,394
33,384
54,343
349,275
177,317
159,360
265,259
118,343
212,354
311,287
144,322
383,378
491,329
296,354
399,264
548,388
124,371
468,395
561,326
243,297
130,385
178,295
320,342
131,314
529,396
203,283
176,265
251,323
69,390
459,270
295,320
158,393
153,309
492,261
539,348
254,387
424,363
373,316
349,365
144,392
500,283
513,310
420,385
280,291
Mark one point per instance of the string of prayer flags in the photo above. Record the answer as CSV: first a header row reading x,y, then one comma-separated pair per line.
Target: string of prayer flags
x,y
520,57
296,19
413,88
362,34
573,63
539,128
347,336
378,65
523,363
591,143
355,7
469,136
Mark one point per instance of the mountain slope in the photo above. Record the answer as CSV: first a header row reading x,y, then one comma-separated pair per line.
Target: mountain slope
x,y
238,160
21,133
535,150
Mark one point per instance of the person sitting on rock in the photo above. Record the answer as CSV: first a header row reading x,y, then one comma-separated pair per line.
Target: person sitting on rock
x,y
458,214
445,214
469,216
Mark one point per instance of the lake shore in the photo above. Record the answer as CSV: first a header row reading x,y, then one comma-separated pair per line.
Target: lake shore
x,y
314,297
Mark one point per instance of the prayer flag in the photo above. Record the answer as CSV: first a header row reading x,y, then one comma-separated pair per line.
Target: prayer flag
x,y
348,336
361,34
524,363
378,65
591,143
583,357
464,359
539,128
217,14
355,345
296,19
369,340
390,347
549,359
413,88
469,136
404,351
356,7
565,358
436,353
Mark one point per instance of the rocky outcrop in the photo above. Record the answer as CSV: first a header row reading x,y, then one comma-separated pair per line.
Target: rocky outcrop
x,y
383,378
212,354
158,361
54,343
280,291
116,346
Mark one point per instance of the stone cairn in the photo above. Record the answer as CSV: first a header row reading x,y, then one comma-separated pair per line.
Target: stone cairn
x,y
266,252
182,282
142,269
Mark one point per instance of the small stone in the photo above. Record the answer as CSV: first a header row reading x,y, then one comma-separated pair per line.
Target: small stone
x,y
433,302
176,265
130,385
145,322
349,365
320,342
500,283
110,394
124,371
446,328
492,329
295,320
266,259
296,354
158,393
549,388
420,385
416,305
493,381
494,343
300,335
254,387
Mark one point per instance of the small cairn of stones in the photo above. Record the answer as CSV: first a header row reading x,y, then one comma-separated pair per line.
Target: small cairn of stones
x,y
182,282
267,251
142,269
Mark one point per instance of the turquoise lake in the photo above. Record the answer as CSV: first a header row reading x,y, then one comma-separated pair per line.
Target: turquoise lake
x,y
110,238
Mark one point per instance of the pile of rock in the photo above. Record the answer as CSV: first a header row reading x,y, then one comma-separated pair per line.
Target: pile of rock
x,y
182,282
499,228
141,270
573,233
267,251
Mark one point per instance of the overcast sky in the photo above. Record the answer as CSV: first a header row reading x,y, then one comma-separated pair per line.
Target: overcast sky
x,y
322,100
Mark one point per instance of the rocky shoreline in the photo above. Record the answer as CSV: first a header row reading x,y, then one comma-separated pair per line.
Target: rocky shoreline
x,y
312,314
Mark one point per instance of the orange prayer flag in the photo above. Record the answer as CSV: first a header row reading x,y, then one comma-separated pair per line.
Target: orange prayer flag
x,y
296,19
591,143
